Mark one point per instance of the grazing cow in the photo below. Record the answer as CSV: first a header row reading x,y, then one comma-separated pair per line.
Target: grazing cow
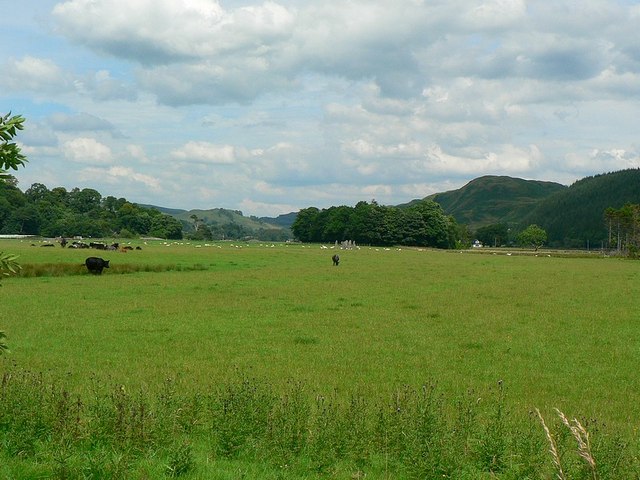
x,y
95,265
336,260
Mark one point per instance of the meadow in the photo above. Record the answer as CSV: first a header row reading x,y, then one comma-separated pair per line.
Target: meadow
x,y
444,335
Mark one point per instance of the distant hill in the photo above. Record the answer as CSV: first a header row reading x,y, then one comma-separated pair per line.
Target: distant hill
x,y
572,216
225,223
285,220
168,211
575,215
494,199
222,216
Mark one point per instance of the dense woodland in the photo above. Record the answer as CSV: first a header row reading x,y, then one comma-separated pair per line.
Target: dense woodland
x,y
85,212
79,212
421,224
575,217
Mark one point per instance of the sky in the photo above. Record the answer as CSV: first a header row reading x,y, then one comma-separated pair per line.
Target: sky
x,y
269,107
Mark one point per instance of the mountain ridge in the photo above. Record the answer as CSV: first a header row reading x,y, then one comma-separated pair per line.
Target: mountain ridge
x,y
572,215
493,199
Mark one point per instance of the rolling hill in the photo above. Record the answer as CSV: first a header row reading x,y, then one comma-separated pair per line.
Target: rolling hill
x,y
494,199
571,215
574,217
233,222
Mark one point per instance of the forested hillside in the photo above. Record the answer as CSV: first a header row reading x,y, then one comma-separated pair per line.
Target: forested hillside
x,y
573,217
58,212
85,212
494,199
576,215
220,223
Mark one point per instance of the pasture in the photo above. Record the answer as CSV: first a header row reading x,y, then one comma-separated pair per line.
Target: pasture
x,y
547,331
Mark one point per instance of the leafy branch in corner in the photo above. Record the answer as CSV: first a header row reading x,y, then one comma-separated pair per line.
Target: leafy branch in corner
x,y
10,154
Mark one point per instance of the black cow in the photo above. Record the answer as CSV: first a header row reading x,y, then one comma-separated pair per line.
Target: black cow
x,y
336,260
95,265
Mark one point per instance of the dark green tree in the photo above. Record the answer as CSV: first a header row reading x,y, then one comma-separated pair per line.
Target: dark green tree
x,y
134,219
366,222
24,220
436,229
413,228
389,227
37,192
11,198
203,232
336,224
533,236
624,228
86,200
165,226
113,204
303,225
495,235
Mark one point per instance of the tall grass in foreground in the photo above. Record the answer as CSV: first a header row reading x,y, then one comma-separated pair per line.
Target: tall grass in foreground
x,y
248,425
62,269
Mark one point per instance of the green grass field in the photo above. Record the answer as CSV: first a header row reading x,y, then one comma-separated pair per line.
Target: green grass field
x,y
553,331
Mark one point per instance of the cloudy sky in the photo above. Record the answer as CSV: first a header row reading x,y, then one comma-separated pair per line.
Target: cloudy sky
x,y
272,106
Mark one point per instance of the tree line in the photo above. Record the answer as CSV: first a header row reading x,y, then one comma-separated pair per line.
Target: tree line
x,y
623,227
421,224
78,212
573,217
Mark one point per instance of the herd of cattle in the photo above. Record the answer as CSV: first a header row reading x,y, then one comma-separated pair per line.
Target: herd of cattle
x,y
96,265
97,245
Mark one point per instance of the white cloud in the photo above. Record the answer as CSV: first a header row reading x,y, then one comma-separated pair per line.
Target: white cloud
x,y
208,153
604,160
63,122
496,14
266,209
121,172
138,153
34,74
171,30
267,189
124,177
252,103
87,150
103,87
